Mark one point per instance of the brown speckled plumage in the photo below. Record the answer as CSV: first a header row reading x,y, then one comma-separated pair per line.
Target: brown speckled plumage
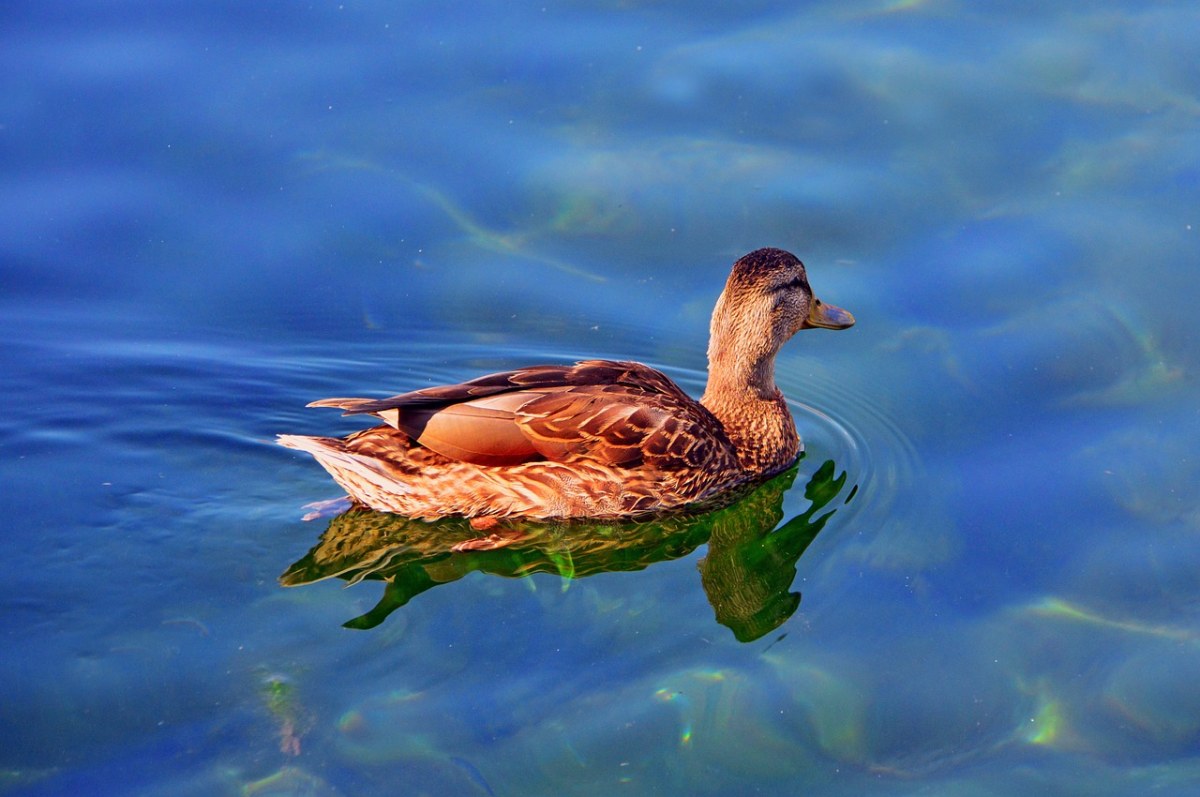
x,y
599,438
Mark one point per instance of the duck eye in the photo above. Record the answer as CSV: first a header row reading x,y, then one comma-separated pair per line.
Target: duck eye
x,y
792,284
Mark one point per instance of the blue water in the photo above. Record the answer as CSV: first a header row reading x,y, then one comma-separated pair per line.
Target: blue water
x,y
982,579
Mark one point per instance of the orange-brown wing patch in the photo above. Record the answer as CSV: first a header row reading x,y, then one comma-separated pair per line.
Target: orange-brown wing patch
x,y
483,431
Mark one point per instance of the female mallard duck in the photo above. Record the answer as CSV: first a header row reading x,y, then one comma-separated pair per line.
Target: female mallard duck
x,y
598,439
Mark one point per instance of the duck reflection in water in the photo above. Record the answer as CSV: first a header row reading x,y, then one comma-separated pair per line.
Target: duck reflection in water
x,y
747,572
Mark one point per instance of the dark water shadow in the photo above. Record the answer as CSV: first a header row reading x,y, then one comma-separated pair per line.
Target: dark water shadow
x,y
747,573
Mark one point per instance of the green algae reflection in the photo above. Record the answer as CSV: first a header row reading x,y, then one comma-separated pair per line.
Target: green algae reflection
x,y
747,573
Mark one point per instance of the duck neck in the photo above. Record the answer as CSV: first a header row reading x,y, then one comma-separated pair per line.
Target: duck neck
x,y
747,374
741,393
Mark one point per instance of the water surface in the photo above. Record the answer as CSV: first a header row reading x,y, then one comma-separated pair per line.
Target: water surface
x,y
981,578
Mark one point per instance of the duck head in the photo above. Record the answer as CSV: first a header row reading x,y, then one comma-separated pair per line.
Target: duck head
x,y
766,300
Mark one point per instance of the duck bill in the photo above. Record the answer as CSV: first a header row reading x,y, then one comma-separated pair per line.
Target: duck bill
x,y
827,316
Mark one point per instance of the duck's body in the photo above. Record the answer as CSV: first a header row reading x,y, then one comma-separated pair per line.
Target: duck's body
x,y
599,439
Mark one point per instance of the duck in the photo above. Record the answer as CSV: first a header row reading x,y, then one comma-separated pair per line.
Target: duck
x,y
597,439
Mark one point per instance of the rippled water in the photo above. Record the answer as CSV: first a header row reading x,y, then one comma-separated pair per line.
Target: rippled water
x,y
980,579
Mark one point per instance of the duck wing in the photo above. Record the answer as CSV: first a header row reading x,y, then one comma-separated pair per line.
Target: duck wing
x,y
616,413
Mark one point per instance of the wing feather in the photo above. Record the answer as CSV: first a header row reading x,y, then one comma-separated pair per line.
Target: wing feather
x,y
617,413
